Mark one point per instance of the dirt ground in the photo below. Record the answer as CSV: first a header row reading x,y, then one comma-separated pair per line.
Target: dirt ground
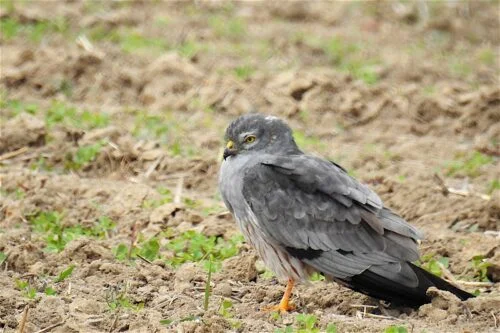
x,y
112,115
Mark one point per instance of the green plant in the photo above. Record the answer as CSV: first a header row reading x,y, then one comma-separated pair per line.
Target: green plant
x,y
192,246
49,291
189,49
226,311
64,274
3,257
26,289
244,72
468,165
166,197
149,249
308,141
396,329
480,266
16,107
130,41
349,57
487,56
227,27
59,112
307,323
121,300
83,156
432,264
208,289
57,234
317,277
150,126
103,227
494,186
35,31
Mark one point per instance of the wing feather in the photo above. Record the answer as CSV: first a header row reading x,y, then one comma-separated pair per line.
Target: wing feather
x,y
320,214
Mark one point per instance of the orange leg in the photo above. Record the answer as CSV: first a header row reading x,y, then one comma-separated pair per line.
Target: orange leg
x,y
285,304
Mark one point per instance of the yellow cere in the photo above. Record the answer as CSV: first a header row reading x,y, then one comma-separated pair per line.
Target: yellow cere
x,y
230,144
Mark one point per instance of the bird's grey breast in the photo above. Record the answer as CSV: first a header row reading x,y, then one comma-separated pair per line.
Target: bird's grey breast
x,y
231,176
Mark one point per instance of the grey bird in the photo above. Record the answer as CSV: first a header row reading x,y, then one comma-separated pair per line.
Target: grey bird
x,y
304,214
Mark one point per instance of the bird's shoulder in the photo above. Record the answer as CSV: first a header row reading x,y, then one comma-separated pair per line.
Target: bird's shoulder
x,y
312,174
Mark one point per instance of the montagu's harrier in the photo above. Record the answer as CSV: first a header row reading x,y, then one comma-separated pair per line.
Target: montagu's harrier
x,y
304,214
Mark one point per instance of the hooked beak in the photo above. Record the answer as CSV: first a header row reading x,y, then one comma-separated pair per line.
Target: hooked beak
x,y
229,150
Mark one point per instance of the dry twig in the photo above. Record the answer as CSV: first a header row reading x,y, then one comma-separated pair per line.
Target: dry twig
x,y
178,191
24,318
14,153
46,329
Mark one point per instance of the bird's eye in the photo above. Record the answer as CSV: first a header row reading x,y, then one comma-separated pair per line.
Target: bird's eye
x,y
250,139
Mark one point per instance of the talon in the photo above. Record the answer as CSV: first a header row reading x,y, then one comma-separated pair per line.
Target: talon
x,y
285,305
282,308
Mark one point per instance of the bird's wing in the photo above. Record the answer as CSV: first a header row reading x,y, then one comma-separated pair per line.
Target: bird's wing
x,y
321,215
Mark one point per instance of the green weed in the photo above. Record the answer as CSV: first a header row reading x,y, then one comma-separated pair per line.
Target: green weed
x,y
191,203
148,249
41,164
166,197
212,210
26,289
226,310
61,113
150,126
460,68
166,322
308,141
189,49
57,235
35,31
83,156
129,41
15,107
487,56
121,252
267,274
132,42
432,264
208,289
470,165
49,291
480,266
121,300
190,246
64,274
494,186
232,28
349,57
244,72
317,277
396,329
3,257
307,323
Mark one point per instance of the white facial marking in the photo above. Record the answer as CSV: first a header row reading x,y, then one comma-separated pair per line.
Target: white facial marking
x,y
270,118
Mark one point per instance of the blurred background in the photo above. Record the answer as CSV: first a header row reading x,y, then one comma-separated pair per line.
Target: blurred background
x,y
117,109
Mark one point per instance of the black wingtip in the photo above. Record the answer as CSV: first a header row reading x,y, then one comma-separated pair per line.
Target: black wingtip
x,y
439,283
380,287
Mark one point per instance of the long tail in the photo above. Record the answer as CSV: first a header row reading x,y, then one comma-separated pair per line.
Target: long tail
x,y
380,287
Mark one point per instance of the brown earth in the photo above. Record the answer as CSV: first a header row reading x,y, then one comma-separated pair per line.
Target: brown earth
x,y
405,96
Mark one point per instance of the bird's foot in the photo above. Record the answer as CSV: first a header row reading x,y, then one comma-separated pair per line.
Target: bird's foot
x,y
283,307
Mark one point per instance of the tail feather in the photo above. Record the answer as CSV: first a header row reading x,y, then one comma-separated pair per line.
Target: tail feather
x,y
380,287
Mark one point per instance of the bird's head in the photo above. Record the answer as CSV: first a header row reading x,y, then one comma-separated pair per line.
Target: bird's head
x,y
259,133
